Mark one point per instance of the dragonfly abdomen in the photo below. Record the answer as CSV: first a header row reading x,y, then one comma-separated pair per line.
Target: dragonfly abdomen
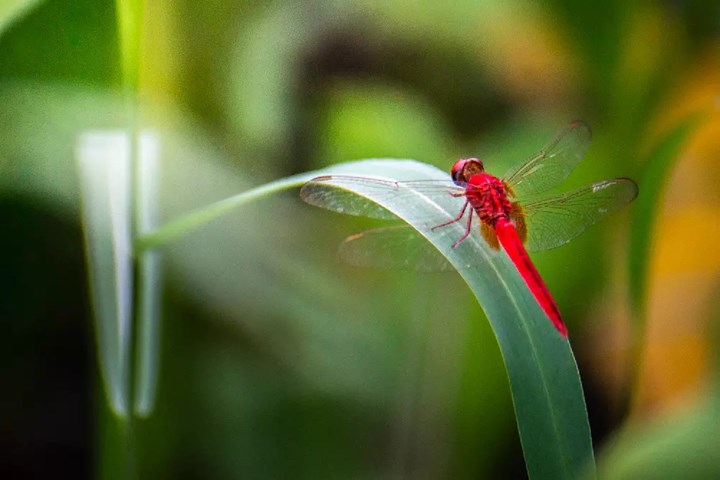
x,y
508,237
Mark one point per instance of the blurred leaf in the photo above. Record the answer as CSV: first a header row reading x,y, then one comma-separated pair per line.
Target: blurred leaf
x,y
379,120
232,265
104,170
189,222
204,215
149,289
260,77
12,10
658,167
592,30
684,446
62,40
129,17
144,161
544,380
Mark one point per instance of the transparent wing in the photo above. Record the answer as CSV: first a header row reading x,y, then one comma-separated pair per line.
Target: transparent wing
x,y
397,247
431,202
329,192
555,221
553,163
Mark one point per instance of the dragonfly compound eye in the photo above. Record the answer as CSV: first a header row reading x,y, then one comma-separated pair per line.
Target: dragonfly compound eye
x,y
465,168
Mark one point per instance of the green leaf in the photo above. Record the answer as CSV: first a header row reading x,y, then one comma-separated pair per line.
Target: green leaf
x,y
544,379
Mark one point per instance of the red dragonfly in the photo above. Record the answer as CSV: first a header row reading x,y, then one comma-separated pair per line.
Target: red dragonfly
x,y
505,219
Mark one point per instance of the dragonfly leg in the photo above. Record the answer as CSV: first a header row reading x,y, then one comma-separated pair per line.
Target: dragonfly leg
x,y
467,231
450,222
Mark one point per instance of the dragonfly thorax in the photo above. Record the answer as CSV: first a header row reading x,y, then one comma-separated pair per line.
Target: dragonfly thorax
x,y
488,195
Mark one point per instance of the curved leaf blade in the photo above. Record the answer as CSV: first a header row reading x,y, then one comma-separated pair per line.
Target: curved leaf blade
x,y
544,379
545,383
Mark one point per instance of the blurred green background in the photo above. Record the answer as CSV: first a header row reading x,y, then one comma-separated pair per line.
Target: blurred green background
x,y
277,360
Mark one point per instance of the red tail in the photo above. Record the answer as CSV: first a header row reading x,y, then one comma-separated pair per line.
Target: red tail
x,y
511,243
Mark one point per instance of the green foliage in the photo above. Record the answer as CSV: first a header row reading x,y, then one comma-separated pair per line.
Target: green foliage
x,y
276,360
674,447
543,375
658,168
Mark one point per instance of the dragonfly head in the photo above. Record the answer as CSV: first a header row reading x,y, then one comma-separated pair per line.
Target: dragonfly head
x,y
465,168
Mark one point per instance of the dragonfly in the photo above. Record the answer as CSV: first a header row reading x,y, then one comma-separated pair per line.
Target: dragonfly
x,y
496,204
